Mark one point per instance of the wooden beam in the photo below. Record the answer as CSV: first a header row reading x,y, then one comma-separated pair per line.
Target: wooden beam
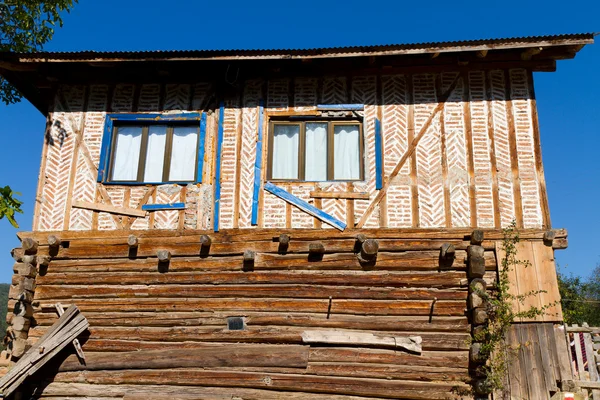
x,y
258,165
410,150
340,195
304,206
217,179
133,212
342,337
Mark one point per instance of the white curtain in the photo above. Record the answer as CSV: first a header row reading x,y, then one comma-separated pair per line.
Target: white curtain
x,y
127,153
155,155
316,152
285,151
346,152
183,154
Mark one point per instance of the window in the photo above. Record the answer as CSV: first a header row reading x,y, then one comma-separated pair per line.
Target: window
x,y
148,148
315,151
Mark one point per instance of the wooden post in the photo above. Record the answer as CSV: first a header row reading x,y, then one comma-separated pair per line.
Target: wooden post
x,y
249,257
29,246
477,237
132,242
205,242
368,251
316,251
164,258
475,261
284,243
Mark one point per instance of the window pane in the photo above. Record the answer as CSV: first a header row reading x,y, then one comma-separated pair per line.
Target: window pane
x,y
316,152
155,155
285,151
346,152
183,155
127,153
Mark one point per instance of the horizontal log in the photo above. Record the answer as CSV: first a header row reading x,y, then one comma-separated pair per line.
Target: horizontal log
x,y
289,382
289,356
174,336
342,337
60,390
119,249
244,235
357,307
133,212
346,278
44,292
399,261
386,371
265,319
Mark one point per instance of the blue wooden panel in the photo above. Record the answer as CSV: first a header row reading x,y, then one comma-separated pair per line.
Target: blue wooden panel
x,y
159,207
340,107
201,140
192,116
304,206
378,156
217,182
258,165
105,150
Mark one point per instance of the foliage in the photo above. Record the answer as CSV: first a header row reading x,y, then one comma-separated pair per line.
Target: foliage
x,y
25,26
580,297
501,314
9,205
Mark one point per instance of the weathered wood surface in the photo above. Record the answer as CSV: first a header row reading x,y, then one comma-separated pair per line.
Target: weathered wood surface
x,y
146,321
366,339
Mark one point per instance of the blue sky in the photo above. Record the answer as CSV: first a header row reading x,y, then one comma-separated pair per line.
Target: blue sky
x,y
569,108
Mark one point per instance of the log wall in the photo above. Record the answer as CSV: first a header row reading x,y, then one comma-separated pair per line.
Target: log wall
x,y
158,328
478,163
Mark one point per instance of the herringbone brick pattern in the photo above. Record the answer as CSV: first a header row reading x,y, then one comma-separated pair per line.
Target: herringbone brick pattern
x,y
228,165
532,214
364,90
429,153
304,95
481,150
394,127
456,153
502,148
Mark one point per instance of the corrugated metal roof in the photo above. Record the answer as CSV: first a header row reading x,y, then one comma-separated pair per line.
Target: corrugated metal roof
x,y
322,52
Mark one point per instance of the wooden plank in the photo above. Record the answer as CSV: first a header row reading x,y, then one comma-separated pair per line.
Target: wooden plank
x,y
258,164
517,387
304,206
378,156
414,202
349,206
546,276
217,178
110,209
201,147
60,311
444,157
579,372
340,337
339,195
513,288
546,352
469,148
537,144
409,151
143,201
159,207
527,278
563,352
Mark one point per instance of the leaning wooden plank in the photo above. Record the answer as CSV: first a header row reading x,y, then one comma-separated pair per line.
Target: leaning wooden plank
x,y
304,206
110,209
70,325
340,195
60,310
342,337
409,151
160,207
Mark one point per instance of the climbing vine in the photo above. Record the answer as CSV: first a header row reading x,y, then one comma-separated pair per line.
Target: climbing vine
x,y
500,307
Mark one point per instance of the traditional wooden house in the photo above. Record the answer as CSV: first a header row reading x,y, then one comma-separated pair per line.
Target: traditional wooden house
x,y
299,224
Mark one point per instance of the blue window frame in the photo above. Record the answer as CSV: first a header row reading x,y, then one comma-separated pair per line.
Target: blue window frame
x,y
139,149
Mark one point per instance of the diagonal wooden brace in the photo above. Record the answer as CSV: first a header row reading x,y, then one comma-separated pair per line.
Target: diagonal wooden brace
x,y
60,310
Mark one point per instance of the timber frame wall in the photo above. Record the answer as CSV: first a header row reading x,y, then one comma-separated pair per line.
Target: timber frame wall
x,y
476,163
